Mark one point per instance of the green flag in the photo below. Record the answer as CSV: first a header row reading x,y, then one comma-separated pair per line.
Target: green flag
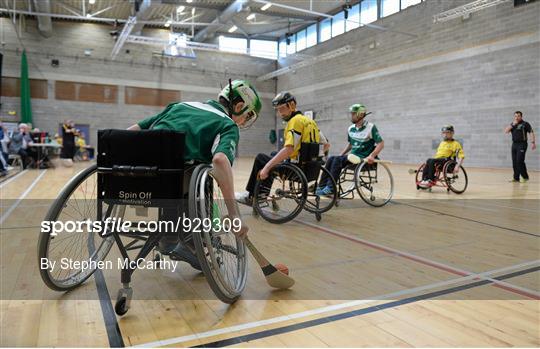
x,y
26,106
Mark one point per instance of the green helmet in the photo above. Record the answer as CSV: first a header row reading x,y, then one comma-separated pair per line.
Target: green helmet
x,y
248,94
357,108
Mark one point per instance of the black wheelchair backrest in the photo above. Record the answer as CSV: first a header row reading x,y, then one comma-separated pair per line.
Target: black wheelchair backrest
x,y
310,160
140,167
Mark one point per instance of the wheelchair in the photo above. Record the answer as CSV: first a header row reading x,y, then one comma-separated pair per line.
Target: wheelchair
x,y
374,183
149,164
445,176
291,187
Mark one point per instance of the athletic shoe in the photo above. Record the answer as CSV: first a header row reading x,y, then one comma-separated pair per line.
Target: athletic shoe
x,y
244,198
181,253
524,180
513,181
425,184
3,173
324,191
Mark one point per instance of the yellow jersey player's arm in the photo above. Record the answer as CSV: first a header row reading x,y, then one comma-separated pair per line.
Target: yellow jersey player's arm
x,y
460,157
293,135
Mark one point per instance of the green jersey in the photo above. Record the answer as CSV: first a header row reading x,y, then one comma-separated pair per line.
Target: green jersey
x,y
363,139
208,129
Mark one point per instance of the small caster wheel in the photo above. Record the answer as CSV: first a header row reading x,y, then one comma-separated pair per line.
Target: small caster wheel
x,y
318,217
337,203
255,213
158,258
121,307
447,190
430,190
417,187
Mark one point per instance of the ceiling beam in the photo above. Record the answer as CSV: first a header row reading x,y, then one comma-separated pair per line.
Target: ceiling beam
x,y
240,28
282,15
142,15
44,24
68,8
97,19
195,4
222,19
292,8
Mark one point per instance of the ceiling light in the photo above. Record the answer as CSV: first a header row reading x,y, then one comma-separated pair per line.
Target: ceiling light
x,y
266,7
168,23
189,1
193,11
180,9
88,15
233,29
250,17
91,2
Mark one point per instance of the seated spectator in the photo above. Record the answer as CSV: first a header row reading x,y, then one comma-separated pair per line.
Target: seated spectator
x,y
19,144
4,140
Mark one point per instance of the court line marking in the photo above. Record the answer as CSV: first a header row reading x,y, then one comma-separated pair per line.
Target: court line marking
x,y
327,309
7,181
426,261
23,195
469,219
465,219
110,321
354,313
491,205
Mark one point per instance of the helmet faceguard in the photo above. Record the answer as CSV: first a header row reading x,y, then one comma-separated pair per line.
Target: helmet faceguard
x,y
240,90
446,130
283,98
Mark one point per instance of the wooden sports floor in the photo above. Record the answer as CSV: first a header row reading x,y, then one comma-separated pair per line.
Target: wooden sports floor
x,y
428,269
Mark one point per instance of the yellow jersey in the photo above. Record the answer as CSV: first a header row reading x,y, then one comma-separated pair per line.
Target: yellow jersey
x,y
300,129
80,142
448,149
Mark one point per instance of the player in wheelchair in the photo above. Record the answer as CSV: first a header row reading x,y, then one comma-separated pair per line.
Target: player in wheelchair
x,y
445,168
358,168
279,184
167,158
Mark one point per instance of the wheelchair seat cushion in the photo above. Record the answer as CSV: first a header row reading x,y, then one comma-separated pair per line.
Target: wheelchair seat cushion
x,y
135,161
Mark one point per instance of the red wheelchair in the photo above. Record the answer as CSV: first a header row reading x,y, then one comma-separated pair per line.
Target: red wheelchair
x,y
445,177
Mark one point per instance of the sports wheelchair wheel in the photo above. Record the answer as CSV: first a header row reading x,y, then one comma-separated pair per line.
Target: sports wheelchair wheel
x,y
316,203
281,197
221,254
419,175
76,202
456,182
374,183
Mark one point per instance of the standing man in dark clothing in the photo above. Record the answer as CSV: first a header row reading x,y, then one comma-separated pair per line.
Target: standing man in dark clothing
x,y
68,140
521,130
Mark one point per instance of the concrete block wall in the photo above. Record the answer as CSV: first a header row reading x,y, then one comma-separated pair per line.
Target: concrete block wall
x,y
197,79
472,73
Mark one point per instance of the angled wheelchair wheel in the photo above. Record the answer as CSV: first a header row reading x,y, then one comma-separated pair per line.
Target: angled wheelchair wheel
x,y
318,204
456,182
282,196
374,183
221,254
419,174
77,202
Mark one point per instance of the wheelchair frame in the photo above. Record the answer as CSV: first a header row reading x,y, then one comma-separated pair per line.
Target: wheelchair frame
x,y
441,179
201,244
309,162
352,173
